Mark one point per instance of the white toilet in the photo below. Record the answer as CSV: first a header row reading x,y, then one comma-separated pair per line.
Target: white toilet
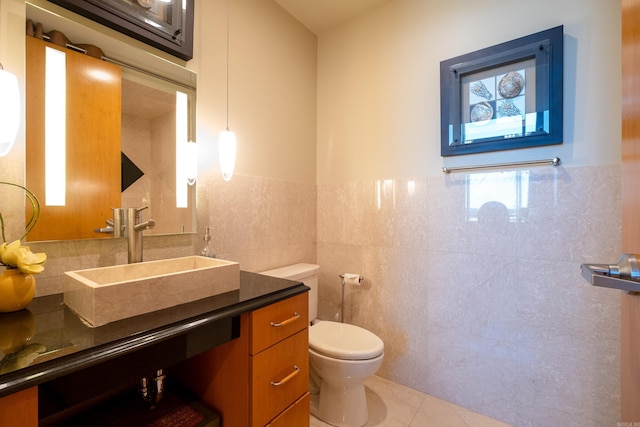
x,y
341,357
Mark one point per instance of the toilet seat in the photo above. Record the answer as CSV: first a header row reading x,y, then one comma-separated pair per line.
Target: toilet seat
x,y
344,341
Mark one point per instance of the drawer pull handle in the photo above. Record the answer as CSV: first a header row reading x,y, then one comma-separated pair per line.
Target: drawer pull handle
x,y
295,317
287,378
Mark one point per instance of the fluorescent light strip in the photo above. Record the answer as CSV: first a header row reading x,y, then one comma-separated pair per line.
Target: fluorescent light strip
x,y
55,138
182,195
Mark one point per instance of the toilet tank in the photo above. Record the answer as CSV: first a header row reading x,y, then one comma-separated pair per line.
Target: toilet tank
x,y
305,273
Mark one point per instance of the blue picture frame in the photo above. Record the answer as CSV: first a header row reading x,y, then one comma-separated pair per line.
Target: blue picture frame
x,y
503,97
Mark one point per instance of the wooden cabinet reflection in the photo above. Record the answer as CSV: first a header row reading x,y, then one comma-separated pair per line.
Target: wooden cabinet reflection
x,y
93,128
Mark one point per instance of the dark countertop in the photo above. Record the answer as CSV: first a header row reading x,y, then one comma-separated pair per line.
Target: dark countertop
x,y
47,340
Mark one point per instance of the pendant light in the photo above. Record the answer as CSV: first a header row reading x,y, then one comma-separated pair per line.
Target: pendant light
x,y
227,139
9,110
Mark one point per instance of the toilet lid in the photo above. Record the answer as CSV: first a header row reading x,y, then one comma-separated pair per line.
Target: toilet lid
x,y
344,341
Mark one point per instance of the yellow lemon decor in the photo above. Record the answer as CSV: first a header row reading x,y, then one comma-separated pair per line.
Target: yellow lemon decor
x,y
16,290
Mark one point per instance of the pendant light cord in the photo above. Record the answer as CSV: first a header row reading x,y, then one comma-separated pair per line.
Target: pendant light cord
x,y
227,65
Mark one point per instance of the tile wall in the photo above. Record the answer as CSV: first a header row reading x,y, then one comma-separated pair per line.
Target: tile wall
x,y
486,311
261,223
486,307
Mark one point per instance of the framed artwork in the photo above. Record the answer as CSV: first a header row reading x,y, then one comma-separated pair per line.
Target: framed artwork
x,y
163,24
503,97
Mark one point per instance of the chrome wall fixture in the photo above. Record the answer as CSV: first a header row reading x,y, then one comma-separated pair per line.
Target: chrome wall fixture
x,y
623,275
552,162
127,222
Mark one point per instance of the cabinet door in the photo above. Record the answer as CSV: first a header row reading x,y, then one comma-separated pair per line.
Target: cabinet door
x,y
295,415
278,321
279,377
93,123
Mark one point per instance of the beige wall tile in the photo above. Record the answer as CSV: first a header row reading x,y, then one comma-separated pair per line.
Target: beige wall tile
x,y
494,316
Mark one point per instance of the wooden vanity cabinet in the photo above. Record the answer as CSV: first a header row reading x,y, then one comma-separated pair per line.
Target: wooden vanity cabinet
x,y
259,379
279,363
237,379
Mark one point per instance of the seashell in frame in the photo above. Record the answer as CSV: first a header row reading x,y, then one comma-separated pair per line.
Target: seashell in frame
x,y
478,88
511,84
481,112
506,108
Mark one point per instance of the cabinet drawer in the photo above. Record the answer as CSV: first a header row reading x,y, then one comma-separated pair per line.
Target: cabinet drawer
x,y
279,377
278,321
295,415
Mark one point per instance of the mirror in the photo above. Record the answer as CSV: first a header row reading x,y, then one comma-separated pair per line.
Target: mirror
x,y
150,89
149,151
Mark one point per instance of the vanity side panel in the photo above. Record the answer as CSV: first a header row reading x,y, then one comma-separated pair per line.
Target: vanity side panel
x,y
220,377
20,409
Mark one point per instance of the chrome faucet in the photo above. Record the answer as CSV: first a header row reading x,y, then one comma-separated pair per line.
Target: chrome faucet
x,y
131,227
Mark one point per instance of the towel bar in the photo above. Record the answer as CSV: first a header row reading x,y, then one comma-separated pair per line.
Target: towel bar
x,y
553,162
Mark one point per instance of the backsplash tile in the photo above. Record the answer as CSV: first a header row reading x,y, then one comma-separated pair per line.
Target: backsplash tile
x,y
261,223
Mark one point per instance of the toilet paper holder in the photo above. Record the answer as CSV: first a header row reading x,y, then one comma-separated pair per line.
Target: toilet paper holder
x,y
348,278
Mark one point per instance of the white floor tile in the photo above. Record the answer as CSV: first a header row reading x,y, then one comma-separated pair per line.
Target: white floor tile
x,y
394,405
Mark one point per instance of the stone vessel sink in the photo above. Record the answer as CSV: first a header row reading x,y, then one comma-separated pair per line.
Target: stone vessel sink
x,y
106,294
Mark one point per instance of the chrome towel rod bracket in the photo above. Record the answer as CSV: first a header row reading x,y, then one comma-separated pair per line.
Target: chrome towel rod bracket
x,y
552,162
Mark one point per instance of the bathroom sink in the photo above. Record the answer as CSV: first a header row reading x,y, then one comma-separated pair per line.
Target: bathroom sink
x,y
106,294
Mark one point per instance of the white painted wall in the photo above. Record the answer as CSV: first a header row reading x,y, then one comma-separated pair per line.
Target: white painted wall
x,y
272,88
379,95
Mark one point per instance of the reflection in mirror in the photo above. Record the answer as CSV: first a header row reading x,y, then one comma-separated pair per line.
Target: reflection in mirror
x,y
150,153
150,126
72,139
498,195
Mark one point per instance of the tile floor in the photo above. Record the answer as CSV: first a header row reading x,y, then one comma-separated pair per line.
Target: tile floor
x,y
394,405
